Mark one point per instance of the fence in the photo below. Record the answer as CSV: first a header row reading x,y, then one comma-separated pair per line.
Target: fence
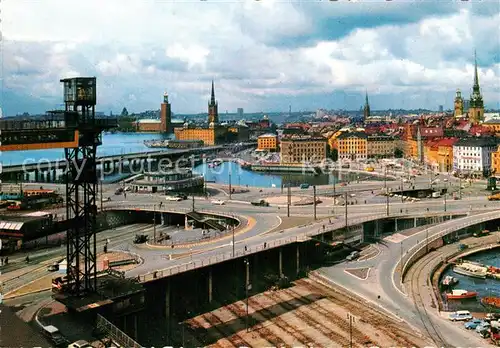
x,y
115,333
413,254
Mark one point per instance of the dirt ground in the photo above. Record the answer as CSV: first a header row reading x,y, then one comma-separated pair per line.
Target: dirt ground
x,y
309,314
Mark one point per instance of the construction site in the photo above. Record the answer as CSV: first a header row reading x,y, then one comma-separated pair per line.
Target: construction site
x,y
310,313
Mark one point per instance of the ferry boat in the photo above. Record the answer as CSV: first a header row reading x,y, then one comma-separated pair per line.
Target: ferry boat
x,y
460,295
449,281
471,270
491,301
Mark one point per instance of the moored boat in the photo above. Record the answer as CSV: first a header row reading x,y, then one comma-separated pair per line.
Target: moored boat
x,y
449,281
471,270
491,301
460,294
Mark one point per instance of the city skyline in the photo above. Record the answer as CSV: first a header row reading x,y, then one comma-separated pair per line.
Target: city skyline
x,y
262,55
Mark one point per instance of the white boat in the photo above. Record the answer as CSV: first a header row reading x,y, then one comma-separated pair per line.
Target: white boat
x,y
471,270
449,281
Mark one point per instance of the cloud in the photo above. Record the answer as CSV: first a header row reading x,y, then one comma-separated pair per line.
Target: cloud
x,y
262,55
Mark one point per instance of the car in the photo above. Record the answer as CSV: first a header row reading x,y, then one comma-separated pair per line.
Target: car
x,y
483,326
261,203
352,256
460,316
53,333
492,316
182,197
119,191
218,202
80,344
140,238
53,267
173,198
473,324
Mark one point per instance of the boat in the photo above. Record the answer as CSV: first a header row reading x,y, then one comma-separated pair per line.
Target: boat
x,y
471,270
449,281
491,301
460,294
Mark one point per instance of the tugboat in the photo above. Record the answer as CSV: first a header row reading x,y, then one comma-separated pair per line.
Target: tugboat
x,y
491,301
449,281
460,295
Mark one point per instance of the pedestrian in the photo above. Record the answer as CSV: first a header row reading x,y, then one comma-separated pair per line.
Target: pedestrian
x,y
6,260
246,248
125,195
1,261
105,248
27,259
265,244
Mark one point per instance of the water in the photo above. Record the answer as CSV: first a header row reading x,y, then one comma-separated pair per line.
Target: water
x,y
112,144
243,177
484,287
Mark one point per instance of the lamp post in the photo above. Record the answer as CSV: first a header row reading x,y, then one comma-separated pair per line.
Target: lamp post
x,y
232,228
229,182
154,223
334,189
314,203
445,194
247,285
346,223
386,191
100,189
401,259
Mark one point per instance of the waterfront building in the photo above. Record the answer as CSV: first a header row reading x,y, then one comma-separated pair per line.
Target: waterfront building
x,y
352,146
473,155
176,180
215,133
380,146
302,149
163,125
476,105
267,142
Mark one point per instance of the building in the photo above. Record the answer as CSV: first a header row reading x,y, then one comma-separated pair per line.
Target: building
x,y
213,113
473,156
495,162
240,113
476,105
163,125
366,109
438,154
213,134
177,180
352,146
267,142
302,149
459,104
380,146
440,109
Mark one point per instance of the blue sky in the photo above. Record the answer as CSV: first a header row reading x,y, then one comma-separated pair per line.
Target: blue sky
x,y
263,56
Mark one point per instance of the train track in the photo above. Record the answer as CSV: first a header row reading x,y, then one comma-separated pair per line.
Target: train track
x,y
429,326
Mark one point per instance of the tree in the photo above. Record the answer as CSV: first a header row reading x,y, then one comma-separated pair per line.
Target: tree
x,y
398,153
124,112
334,155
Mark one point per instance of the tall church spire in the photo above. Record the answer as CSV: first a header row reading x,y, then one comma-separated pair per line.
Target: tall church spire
x,y
476,78
366,110
212,98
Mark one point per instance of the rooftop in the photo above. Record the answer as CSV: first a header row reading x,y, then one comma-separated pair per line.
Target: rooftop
x,y
347,135
478,142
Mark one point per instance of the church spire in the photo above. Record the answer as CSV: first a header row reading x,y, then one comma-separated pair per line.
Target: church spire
x,y
366,109
212,98
476,78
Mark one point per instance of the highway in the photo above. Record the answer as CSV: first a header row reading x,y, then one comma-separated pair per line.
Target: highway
x,y
384,281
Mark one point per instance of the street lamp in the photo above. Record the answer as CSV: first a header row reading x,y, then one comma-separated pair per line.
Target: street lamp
x,y
247,285
445,194
154,224
386,190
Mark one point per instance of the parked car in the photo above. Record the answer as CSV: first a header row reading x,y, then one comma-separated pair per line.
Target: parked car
x,y
173,198
492,316
460,316
53,267
218,202
473,324
483,326
352,256
484,333
53,334
80,344
119,191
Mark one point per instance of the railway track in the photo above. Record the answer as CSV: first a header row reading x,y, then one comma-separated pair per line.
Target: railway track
x,y
389,327
429,326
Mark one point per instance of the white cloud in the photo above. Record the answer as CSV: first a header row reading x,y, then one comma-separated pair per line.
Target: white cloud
x,y
139,49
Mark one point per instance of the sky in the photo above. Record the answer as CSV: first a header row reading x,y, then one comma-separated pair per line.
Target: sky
x,y
263,55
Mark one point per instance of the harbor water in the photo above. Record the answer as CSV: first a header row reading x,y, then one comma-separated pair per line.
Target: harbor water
x,y
484,287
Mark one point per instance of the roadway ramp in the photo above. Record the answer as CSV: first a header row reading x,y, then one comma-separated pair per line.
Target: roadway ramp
x,y
210,222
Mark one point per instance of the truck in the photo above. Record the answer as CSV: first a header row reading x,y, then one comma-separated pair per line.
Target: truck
x,y
261,203
436,194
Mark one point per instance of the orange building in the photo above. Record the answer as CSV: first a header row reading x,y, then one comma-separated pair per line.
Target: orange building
x,y
439,154
267,142
163,125
495,161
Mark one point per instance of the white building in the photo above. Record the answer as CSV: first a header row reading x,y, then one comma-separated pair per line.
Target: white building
x,y
473,155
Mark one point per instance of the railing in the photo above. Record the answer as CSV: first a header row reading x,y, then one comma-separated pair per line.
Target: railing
x,y
115,333
414,253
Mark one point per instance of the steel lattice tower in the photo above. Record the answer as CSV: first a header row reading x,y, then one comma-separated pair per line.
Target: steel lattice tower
x,y
81,185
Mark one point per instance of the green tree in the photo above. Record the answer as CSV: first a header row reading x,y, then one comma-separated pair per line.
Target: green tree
x,y
398,153
124,112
